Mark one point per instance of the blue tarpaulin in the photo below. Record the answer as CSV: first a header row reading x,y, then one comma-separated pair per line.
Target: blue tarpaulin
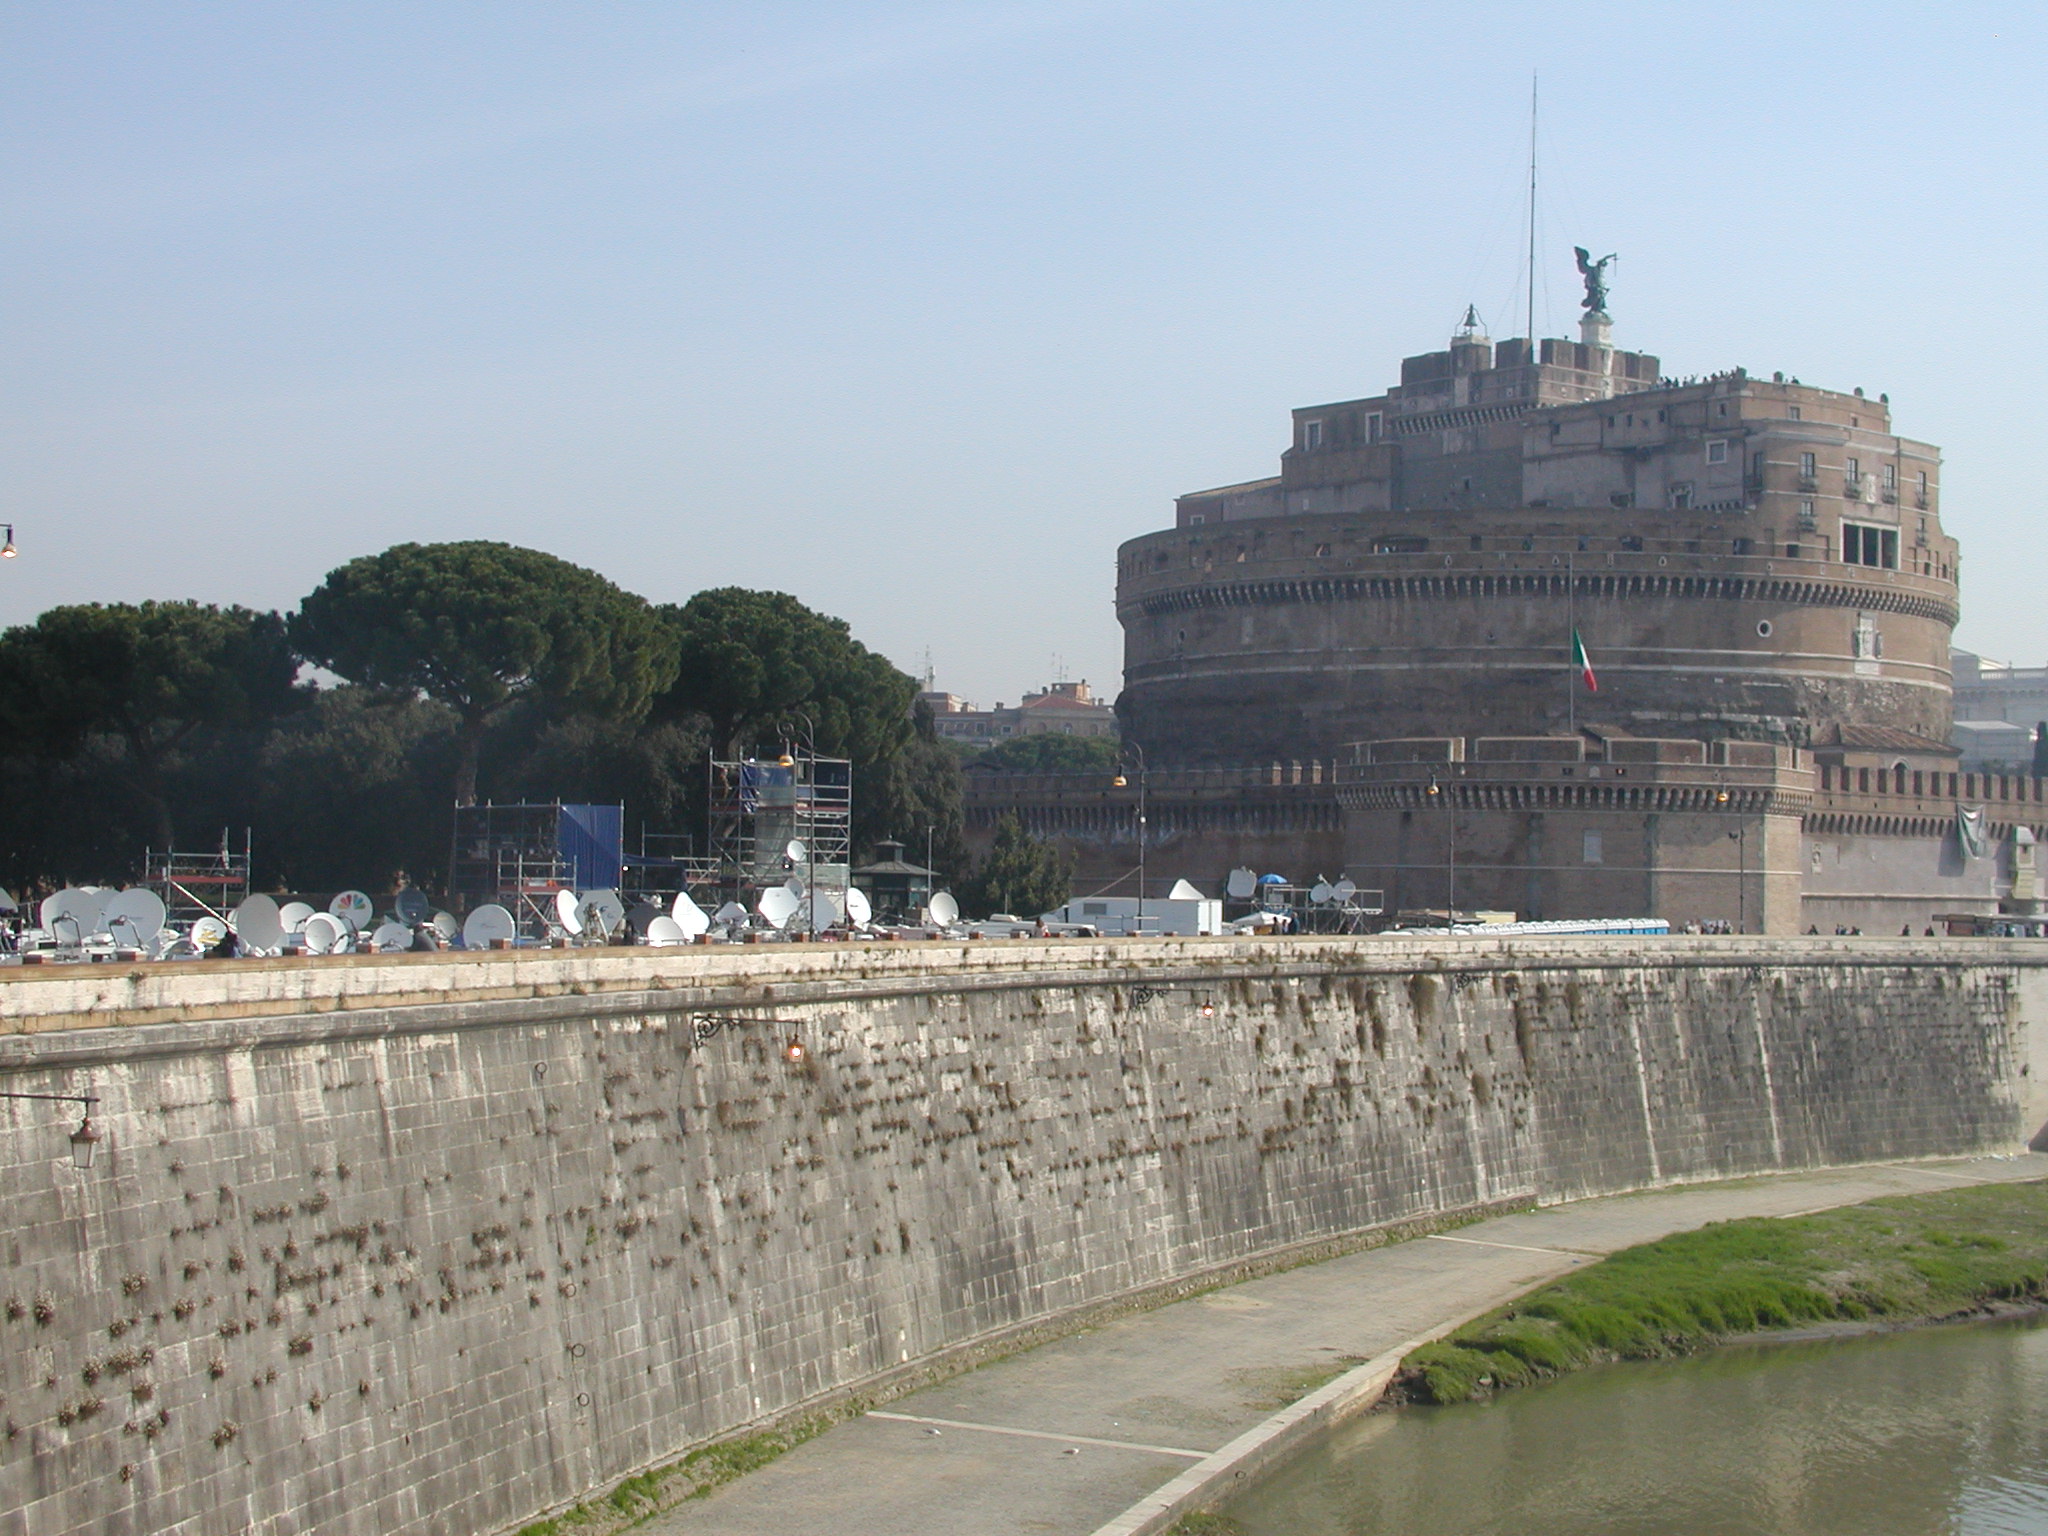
x,y
590,839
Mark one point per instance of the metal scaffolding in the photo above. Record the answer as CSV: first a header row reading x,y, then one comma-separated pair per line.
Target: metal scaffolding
x,y
774,819
196,885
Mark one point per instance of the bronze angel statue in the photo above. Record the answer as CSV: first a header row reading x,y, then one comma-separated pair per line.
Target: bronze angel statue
x,y
1595,274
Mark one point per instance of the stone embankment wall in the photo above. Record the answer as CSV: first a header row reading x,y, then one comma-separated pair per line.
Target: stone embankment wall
x,y
435,1243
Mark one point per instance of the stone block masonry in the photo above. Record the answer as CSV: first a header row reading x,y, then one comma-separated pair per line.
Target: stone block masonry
x,y
437,1243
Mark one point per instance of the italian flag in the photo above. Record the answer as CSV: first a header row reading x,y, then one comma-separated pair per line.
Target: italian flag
x,y
1585,666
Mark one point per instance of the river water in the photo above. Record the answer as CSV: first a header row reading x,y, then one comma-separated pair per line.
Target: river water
x,y
1909,1434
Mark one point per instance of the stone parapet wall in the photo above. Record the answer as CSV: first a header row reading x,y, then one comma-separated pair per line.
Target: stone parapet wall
x,y
433,1244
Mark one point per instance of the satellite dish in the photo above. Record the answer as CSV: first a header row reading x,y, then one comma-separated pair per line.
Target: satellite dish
x,y
642,917
74,905
412,905
825,910
566,913
688,916
1345,889
944,909
136,915
322,931
390,938
858,908
795,851
665,931
293,915
7,902
1241,884
258,925
1184,891
354,906
601,911
1321,892
487,924
732,912
446,926
207,932
794,886
1272,879
778,906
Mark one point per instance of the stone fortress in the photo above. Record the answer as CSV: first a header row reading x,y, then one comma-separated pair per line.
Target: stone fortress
x,y
1364,664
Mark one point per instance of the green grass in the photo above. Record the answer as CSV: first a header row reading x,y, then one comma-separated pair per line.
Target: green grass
x,y
1906,1258
695,1475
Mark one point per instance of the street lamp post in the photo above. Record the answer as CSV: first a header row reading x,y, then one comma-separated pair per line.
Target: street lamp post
x,y
1451,825
86,1138
1740,838
796,796
1120,782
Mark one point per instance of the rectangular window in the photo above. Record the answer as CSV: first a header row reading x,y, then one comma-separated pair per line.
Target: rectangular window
x,y
1891,477
1717,451
1807,467
1851,471
1863,545
1792,413
1923,485
1806,514
1372,426
1590,849
1311,435
1681,496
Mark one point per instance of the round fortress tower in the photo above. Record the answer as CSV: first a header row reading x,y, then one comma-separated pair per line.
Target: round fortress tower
x,y
1743,558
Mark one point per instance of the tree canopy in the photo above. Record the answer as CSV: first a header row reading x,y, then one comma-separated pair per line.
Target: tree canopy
x,y
1022,875
1050,752
147,675
752,662
478,625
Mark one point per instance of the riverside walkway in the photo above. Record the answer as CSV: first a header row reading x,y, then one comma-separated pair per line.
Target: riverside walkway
x,y
1113,1431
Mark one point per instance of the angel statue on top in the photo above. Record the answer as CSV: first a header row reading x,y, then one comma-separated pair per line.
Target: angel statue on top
x,y
1595,274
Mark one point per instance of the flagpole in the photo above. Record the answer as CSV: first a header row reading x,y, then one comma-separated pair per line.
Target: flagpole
x,y
1571,660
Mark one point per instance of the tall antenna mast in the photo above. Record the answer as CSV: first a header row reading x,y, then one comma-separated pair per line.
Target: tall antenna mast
x,y
1532,217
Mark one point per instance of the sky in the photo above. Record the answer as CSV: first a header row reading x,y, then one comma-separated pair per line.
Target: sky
x,y
917,311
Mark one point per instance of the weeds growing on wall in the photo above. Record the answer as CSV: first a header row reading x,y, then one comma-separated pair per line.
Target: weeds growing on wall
x,y
1903,1259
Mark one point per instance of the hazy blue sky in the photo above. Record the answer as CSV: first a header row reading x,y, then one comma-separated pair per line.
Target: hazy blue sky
x,y
918,310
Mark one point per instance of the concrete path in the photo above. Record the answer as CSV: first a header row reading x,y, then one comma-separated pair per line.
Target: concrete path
x,y
1081,1435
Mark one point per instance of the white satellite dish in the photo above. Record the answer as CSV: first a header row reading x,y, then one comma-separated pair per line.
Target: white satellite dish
x,y
293,915
729,914
7,902
795,886
487,924
207,932
1242,883
824,910
390,938
1345,889
446,926
354,906
411,904
795,851
1321,892
75,907
944,909
665,931
258,925
135,916
778,906
566,913
322,931
1184,891
601,911
688,916
858,909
